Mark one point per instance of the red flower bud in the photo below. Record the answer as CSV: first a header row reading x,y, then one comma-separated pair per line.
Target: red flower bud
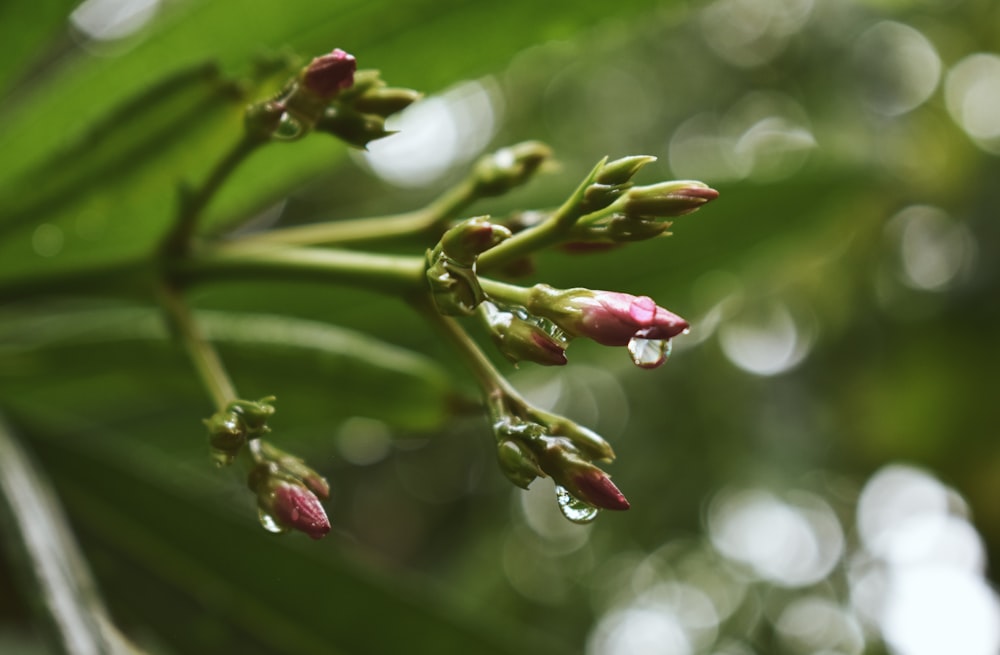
x,y
594,487
293,506
326,76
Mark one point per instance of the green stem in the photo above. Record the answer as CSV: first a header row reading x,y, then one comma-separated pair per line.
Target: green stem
x,y
430,220
507,293
491,382
193,203
391,274
557,227
206,360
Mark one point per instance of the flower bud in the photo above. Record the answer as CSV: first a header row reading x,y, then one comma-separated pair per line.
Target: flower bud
x,y
385,101
594,487
517,463
254,414
584,481
352,127
519,340
327,75
451,274
607,317
226,432
621,171
501,171
470,238
295,467
667,199
288,502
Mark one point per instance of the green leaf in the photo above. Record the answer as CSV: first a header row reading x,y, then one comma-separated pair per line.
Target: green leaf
x,y
320,373
181,555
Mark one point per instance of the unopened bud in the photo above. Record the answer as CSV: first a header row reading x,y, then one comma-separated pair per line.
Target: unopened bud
x,y
501,171
608,317
352,127
594,487
451,274
295,467
254,414
288,502
521,340
517,463
327,75
226,432
621,171
667,199
385,101
472,237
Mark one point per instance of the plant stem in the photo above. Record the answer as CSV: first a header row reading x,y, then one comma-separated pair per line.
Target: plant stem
x,y
193,203
396,275
431,220
204,357
508,293
552,230
491,382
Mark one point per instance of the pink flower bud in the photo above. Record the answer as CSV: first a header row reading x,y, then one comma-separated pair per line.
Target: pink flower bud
x,y
293,506
608,317
594,487
326,76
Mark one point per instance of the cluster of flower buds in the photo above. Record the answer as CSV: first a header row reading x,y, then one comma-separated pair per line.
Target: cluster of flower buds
x,y
231,428
451,264
613,210
330,95
289,493
532,443
358,115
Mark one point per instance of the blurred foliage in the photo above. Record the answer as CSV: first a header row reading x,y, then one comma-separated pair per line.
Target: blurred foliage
x,y
843,292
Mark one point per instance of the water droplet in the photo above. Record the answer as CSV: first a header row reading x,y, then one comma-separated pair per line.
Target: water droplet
x,y
289,128
573,508
269,523
649,353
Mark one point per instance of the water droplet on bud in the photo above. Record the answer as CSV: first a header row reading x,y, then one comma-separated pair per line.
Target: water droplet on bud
x,y
573,508
269,523
649,353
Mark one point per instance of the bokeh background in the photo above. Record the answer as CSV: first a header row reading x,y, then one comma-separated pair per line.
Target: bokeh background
x,y
815,470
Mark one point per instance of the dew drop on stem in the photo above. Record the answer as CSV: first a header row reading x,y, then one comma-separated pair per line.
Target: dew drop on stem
x,y
573,508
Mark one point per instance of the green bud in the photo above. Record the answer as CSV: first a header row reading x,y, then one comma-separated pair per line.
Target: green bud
x,y
623,228
589,443
226,432
451,274
296,468
517,463
621,171
501,171
352,127
385,102
519,339
254,414
667,199
470,238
